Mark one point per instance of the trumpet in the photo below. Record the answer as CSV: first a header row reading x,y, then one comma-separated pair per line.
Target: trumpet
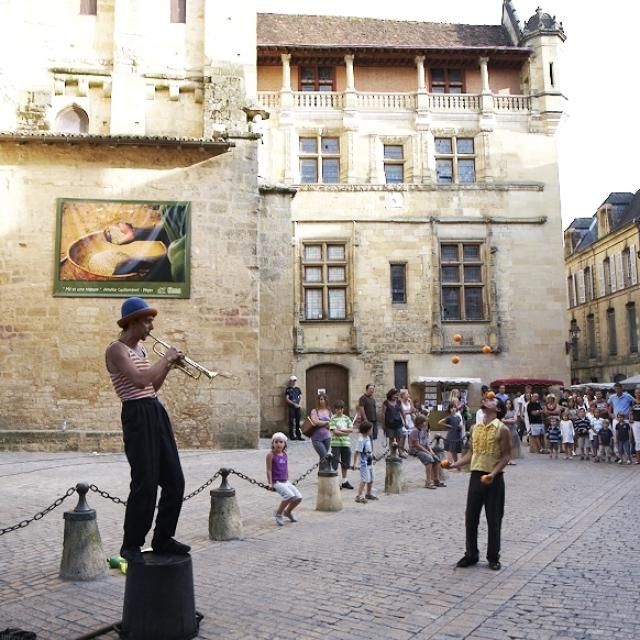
x,y
187,365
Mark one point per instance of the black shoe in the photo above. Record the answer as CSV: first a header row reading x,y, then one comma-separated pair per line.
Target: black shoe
x,y
170,546
346,485
131,554
299,437
495,566
466,561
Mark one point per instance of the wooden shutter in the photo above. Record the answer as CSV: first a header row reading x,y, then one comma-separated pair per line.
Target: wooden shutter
x,y
602,290
633,267
612,273
619,271
580,289
570,290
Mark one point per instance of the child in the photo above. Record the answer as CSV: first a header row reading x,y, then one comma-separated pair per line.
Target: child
x,y
419,447
623,435
341,429
278,479
596,426
554,436
453,439
566,429
581,427
363,460
605,439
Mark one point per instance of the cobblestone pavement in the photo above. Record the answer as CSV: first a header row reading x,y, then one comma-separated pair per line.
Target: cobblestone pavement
x,y
571,563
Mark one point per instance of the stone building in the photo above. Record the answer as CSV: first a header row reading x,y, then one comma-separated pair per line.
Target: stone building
x,y
425,161
601,265
360,191
136,102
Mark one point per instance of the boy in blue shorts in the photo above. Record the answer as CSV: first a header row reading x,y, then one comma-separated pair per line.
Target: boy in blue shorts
x,y
363,460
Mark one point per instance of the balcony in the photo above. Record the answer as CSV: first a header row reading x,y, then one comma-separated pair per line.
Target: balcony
x,y
393,102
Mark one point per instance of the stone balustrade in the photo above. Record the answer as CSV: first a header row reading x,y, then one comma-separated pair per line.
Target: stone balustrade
x,y
376,101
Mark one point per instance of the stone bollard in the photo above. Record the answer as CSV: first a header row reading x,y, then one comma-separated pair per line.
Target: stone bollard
x,y
225,522
394,476
329,497
82,555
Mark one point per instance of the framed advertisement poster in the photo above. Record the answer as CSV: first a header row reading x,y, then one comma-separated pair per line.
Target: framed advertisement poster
x,y
122,248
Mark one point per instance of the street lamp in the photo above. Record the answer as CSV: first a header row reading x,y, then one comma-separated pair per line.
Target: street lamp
x,y
574,333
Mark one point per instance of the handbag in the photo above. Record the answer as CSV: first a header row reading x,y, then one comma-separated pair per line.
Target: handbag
x,y
307,427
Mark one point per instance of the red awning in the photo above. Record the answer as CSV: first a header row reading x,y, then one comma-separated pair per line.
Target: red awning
x,y
520,382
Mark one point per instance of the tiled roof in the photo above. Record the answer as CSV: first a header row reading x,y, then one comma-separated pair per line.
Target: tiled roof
x,y
619,197
581,223
275,29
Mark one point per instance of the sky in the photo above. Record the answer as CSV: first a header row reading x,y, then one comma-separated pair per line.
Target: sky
x,y
600,132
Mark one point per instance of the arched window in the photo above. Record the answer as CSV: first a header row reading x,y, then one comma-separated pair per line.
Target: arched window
x,y
72,119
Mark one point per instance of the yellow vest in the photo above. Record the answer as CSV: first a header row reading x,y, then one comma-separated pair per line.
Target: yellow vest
x,y
485,440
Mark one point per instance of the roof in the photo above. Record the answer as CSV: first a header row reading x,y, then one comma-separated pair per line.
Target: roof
x,y
445,380
534,382
51,137
618,197
277,29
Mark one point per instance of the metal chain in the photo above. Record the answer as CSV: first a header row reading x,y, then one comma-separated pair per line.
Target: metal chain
x,y
107,495
382,455
41,514
202,488
250,480
306,473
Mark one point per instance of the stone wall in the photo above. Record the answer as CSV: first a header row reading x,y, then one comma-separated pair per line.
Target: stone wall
x,y
52,349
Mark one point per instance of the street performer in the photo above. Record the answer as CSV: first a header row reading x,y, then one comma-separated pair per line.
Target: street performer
x,y
489,452
149,443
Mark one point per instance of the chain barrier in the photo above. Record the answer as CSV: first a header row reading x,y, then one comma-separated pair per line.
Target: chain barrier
x,y
41,514
203,487
107,495
241,475
377,458
306,473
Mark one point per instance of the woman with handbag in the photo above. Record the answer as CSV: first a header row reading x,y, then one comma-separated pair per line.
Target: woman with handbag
x,y
321,436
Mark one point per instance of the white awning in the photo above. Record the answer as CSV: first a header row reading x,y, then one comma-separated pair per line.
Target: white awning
x,y
444,380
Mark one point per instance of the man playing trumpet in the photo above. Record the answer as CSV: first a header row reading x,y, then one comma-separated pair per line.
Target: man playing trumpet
x,y
149,443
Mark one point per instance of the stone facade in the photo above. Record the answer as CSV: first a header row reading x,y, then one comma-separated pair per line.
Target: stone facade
x,y
601,268
509,212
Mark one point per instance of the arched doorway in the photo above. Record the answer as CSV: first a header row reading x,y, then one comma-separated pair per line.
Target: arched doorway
x,y
333,379
73,119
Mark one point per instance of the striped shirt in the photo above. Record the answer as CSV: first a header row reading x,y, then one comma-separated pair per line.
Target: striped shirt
x,y
125,389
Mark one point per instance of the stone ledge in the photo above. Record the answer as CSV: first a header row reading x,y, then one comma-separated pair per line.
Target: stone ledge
x,y
52,441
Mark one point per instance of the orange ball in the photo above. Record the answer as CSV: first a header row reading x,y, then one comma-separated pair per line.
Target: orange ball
x,y
486,479
445,464
490,395
455,359
457,338
486,349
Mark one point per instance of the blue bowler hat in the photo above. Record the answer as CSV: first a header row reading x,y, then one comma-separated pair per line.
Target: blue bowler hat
x,y
134,308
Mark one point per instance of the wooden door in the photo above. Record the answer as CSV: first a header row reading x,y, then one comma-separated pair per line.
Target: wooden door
x,y
333,379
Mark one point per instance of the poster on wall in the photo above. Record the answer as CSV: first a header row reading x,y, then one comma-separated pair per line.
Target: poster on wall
x,y
122,248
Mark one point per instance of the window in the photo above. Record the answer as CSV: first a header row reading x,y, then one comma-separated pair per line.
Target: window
x,y
591,337
319,160
88,7
455,161
611,328
324,281
178,11
606,265
398,283
400,374
632,326
447,81
570,291
462,280
393,163
588,284
316,78
626,267
73,119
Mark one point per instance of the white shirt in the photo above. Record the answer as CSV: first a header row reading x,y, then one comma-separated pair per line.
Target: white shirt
x,y
566,428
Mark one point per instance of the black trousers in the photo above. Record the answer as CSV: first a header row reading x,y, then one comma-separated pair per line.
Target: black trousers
x,y
152,453
294,421
491,496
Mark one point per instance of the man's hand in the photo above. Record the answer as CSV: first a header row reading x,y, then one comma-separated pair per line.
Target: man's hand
x,y
173,355
121,233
